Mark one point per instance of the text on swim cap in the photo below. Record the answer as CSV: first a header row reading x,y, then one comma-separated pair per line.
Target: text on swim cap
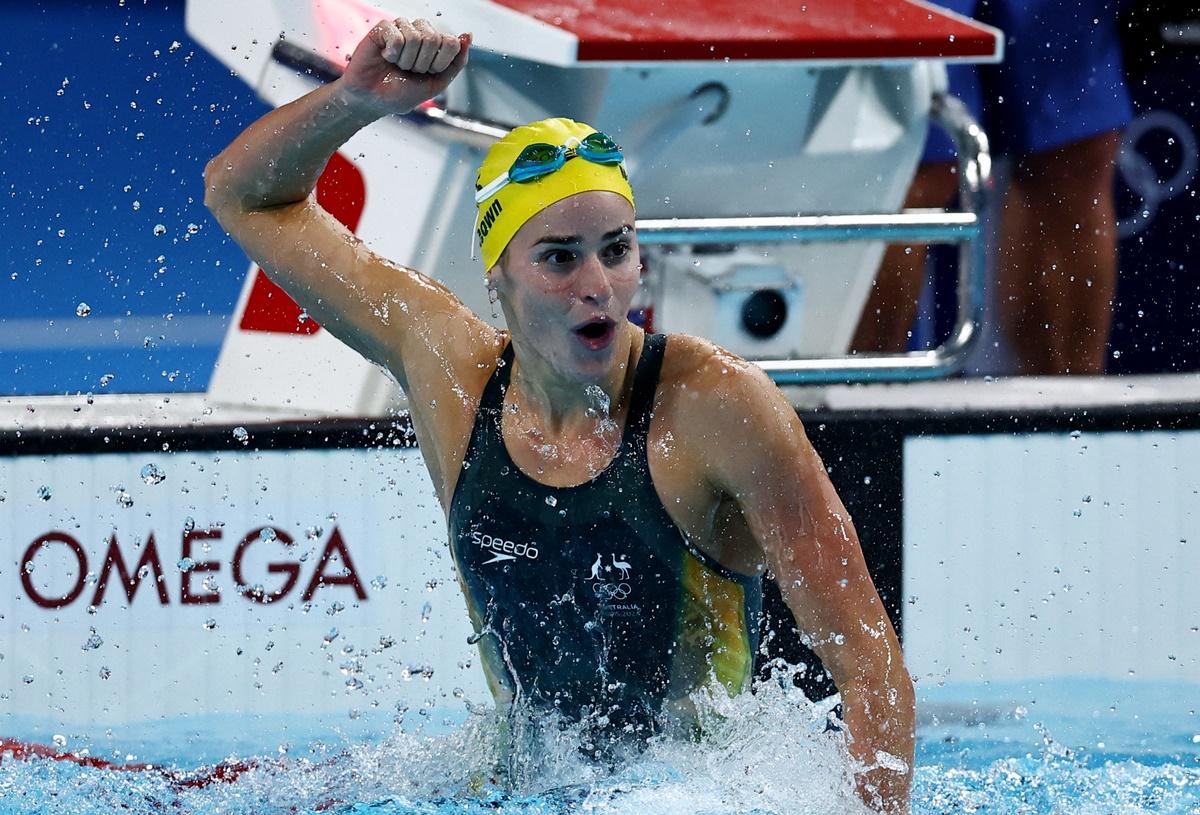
x,y
489,218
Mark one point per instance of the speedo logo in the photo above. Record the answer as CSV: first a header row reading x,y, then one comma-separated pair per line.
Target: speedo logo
x,y
489,218
502,550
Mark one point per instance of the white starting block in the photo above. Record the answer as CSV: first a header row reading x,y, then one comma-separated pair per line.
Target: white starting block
x,y
816,109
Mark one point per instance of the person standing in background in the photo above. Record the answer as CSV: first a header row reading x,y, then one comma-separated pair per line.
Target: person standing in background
x,y
1055,108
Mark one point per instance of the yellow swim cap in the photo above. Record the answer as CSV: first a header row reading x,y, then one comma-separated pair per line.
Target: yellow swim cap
x,y
500,216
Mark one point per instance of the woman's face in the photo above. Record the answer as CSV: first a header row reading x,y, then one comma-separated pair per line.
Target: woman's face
x,y
567,279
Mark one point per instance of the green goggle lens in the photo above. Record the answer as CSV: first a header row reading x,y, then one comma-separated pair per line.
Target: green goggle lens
x,y
537,154
600,144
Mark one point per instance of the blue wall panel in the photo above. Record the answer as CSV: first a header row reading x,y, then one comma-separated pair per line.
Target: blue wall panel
x,y
108,114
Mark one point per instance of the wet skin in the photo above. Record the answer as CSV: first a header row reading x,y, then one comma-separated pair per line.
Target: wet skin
x,y
728,456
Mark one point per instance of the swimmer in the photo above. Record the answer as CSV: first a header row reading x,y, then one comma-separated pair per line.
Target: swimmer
x,y
613,498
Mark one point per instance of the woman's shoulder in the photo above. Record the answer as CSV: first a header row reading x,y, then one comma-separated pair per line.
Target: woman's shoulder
x,y
692,361
705,385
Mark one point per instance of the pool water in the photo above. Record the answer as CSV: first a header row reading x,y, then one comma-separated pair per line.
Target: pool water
x,y
1025,749
1081,747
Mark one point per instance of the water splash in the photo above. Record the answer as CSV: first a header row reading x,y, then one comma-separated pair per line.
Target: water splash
x,y
762,753
153,474
600,408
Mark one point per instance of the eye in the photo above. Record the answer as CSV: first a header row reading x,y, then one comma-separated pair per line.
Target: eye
x,y
559,257
619,249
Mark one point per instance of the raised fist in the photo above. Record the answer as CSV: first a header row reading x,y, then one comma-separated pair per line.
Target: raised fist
x,y
400,64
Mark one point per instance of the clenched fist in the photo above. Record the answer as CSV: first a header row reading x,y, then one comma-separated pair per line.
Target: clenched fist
x,y
400,64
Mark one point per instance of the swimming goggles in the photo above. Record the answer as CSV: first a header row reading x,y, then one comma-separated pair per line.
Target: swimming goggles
x,y
538,160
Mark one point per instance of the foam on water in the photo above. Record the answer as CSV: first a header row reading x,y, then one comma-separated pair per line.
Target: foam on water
x,y
767,752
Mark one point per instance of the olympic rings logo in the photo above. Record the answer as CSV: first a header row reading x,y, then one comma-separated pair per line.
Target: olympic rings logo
x,y
1143,178
611,591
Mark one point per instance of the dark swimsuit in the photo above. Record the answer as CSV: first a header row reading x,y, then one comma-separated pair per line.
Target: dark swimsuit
x,y
588,599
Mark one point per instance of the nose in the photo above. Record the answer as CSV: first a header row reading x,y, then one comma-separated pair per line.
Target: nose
x,y
593,285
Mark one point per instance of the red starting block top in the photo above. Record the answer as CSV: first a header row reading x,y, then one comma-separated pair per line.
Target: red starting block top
x,y
825,30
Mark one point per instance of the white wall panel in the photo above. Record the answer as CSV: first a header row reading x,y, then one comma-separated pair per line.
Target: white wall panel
x,y
162,660
1051,555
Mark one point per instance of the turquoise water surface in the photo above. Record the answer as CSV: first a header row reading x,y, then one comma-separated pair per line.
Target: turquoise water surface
x,y
1025,749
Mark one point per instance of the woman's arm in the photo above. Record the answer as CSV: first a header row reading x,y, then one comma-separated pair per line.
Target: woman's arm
x,y
759,454
260,190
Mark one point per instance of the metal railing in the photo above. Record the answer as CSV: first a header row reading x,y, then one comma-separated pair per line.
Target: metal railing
x,y
922,226
912,226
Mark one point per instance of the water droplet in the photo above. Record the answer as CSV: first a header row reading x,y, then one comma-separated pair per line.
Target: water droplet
x,y
425,612
83,310
159,230
59,740
267,534
189,523
44,492
186,564
93,642
330,635
210,624
378,582
105,672
551,501
153,474
240,434
27,679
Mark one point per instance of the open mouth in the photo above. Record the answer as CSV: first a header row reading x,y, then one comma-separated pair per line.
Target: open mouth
x,y
596,333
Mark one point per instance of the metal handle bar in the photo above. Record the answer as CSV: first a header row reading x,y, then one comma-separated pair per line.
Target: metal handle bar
x,y
928,226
